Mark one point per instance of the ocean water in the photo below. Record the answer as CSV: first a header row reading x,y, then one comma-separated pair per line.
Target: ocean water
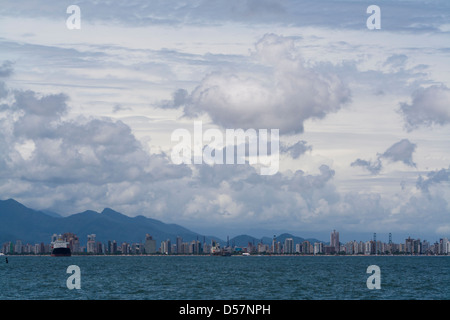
x,y
225,278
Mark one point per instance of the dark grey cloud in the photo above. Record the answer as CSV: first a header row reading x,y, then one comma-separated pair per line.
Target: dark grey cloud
x,y
39,114
374,167
6,69
118,108
429,106
3,92
295,150
50,106
433,178
401,151
180,98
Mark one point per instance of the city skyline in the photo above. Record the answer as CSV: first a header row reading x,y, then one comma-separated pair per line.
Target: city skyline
x,y
89,103
372,246
23,214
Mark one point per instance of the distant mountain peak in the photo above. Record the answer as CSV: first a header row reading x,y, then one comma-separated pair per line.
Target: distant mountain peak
x,y
12,201
16,219
110,211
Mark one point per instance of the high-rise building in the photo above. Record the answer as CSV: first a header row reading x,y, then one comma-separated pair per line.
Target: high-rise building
x,y
409,245
194,247
18,247
179,244
376,249
306,247
274,244
444,246
289,246
368,247
417,246
113,247
334,241
90,247
318,247
72,239
166,247
263,248
150,244
125,249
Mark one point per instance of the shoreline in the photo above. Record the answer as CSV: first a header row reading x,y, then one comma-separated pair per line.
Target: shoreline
x,y
233,255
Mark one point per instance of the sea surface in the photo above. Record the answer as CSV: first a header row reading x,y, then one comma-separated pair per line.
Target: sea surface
x,y
225,278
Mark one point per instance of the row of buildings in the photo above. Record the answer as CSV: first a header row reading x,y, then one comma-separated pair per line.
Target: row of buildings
x,y
194,247
371,247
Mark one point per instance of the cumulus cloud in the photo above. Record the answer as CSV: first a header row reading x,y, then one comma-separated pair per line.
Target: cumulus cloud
x,y
258,199
37,116
43,152
433,178
429,106
82,163
279,92
401,151
65,163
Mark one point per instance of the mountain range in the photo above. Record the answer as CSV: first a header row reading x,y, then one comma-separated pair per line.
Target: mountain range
x,y
18,222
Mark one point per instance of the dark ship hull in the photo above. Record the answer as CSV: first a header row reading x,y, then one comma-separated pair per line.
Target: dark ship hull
x,y
61,252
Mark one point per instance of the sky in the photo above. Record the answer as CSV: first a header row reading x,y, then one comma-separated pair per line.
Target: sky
x,y
87,114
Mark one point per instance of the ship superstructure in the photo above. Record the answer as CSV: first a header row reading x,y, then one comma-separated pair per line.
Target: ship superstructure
x,y
60,247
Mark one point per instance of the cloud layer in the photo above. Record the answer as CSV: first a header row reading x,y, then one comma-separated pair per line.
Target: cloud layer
x,y
42,150
363,114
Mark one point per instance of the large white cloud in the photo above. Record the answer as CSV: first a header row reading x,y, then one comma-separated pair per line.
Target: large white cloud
x,y
278,91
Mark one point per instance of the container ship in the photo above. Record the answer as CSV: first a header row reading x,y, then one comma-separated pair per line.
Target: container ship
x,y
60,248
